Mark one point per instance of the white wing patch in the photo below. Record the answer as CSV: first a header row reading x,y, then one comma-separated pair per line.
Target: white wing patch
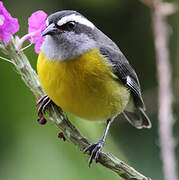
x,y
129,81
76,18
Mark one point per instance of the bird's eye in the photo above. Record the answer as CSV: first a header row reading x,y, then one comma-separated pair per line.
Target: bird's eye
x,y
67,26
70,25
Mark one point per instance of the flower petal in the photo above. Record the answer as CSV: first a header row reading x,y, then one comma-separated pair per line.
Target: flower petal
x,y
36,20
6,37
38,45
9,25
37,24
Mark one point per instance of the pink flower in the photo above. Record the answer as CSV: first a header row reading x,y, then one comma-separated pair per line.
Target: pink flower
x,y
36,26
8,24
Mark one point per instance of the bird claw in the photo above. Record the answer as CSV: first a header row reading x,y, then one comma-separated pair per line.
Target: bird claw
x,y
43,104
94,149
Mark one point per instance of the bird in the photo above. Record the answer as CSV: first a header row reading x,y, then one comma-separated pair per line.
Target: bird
x,y
84,72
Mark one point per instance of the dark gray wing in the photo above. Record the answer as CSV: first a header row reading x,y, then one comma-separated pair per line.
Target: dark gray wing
x,y
125,73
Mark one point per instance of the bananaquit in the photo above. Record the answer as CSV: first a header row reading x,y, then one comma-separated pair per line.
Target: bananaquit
x,y
84,72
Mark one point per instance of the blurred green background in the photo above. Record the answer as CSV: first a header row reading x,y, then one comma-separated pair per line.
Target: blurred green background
x,y
31,151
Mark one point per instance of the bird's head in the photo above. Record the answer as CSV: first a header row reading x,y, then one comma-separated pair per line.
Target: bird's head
x,y
68,34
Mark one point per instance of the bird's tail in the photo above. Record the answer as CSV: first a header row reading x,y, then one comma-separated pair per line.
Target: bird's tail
x,y
138,118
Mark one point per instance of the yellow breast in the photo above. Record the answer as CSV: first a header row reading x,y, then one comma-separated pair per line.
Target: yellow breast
x,y
84,86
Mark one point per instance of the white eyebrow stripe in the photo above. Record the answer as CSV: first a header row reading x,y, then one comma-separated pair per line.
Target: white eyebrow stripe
x,y
76,18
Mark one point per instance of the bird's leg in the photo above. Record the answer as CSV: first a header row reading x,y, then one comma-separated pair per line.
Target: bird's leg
x,y
96,148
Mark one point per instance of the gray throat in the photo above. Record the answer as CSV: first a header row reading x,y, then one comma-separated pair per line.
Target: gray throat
x,y
66,48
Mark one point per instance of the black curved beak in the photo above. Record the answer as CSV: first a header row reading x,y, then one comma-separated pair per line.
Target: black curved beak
x,y
50,30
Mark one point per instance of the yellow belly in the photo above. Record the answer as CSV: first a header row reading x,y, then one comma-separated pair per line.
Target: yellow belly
x,y
84,86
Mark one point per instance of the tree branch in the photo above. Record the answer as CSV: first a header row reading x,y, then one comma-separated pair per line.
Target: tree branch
x,y
58,117
165,96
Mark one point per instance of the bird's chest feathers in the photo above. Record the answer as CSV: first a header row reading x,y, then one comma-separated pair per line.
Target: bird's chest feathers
x,y
79,84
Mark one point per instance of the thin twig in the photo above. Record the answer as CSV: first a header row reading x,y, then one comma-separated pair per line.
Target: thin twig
x,y
7,60
60,120
165,96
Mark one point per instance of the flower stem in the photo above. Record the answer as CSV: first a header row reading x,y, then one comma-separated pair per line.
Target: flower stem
x,y
26,37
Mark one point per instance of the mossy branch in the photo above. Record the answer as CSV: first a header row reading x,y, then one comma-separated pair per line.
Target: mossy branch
x,y
29,76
